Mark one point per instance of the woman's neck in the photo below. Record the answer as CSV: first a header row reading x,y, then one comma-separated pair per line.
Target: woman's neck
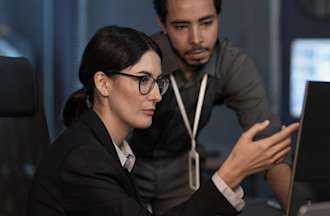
x,y
116,128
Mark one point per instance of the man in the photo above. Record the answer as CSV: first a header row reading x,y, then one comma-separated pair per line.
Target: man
x,y
191,48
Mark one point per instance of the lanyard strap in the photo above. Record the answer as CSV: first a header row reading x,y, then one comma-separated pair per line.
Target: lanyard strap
x,y
201,95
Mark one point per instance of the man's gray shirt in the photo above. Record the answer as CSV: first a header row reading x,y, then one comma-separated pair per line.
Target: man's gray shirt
x,y
233,81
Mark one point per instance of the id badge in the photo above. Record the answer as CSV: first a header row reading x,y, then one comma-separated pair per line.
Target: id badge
x,y
194,170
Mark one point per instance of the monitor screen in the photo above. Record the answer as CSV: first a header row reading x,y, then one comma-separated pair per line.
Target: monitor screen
x,y
310,60
311,170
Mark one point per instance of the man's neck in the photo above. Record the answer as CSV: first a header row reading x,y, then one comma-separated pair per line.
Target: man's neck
x,y
188,71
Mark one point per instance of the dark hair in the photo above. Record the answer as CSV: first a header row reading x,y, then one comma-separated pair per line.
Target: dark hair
x,y
112,48
160,7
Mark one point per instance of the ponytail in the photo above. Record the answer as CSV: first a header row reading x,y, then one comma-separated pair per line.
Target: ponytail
x,y
77,103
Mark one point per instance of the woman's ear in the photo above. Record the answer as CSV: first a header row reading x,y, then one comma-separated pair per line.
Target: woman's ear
x,y
102,83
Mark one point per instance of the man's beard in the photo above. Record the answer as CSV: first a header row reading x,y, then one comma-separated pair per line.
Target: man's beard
x,y
195,65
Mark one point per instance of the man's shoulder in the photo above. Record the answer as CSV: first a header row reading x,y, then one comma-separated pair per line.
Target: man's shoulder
x,y
158,36
229,55
230,50
169,63
161,39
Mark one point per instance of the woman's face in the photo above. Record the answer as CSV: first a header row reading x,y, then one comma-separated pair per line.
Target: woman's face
x,y
125,100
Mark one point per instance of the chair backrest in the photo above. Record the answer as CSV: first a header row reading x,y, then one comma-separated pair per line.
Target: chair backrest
x,y
23,133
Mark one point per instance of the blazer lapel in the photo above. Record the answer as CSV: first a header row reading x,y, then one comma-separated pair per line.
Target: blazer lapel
x,y
131,179
91,119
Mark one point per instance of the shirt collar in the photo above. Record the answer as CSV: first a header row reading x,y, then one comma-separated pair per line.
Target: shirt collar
x,y
125,155
209,68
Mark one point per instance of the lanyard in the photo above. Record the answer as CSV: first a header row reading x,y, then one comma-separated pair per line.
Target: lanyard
x,y
193,132
194,176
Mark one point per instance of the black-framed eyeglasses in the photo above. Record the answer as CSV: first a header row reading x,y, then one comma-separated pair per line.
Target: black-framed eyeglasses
x,y
146,82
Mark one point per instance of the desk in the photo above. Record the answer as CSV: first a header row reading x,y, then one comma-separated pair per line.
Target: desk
x,y
259,207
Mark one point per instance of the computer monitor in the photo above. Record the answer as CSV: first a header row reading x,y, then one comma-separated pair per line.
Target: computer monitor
x,y
310,182
310,60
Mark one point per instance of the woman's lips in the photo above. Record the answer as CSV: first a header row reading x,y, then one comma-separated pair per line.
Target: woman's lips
x,y
149,112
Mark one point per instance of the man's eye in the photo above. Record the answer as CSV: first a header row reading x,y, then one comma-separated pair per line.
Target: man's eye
x,y
180,27
207,23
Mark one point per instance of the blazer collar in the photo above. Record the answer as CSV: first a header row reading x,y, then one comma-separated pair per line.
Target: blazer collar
x,y
95,124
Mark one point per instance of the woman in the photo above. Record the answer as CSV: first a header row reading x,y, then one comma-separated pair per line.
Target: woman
x,y
86,171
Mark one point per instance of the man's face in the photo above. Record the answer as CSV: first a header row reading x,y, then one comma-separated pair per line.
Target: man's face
x,y
192,27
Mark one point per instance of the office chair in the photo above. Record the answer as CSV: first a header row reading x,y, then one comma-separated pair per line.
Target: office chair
x,y
23,133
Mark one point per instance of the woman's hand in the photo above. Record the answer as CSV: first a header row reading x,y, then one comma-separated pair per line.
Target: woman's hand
x,y
250,156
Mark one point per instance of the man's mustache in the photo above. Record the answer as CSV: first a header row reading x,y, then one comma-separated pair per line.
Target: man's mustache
x,y
197,48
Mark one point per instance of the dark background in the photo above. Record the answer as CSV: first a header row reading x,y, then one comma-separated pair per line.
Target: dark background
x,y
53,34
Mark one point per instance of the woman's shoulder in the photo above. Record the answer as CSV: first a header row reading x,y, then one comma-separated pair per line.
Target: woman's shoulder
x,y
74,146
75,135
69,140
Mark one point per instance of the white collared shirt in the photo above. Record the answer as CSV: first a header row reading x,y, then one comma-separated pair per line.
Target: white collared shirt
x,y
125,155
234,197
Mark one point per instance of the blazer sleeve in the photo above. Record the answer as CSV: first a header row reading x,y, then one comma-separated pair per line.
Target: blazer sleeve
x,y
94,185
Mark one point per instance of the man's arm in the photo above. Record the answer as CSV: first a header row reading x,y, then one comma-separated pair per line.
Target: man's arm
x,y
278,178
247,96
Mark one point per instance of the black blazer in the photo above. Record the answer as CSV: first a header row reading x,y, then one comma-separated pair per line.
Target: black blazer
x,y
81,175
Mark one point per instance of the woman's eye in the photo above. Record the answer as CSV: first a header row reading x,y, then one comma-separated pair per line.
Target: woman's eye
x,y
145,79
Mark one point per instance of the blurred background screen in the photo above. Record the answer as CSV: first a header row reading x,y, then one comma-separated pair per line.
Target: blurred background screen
x,y
310,60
